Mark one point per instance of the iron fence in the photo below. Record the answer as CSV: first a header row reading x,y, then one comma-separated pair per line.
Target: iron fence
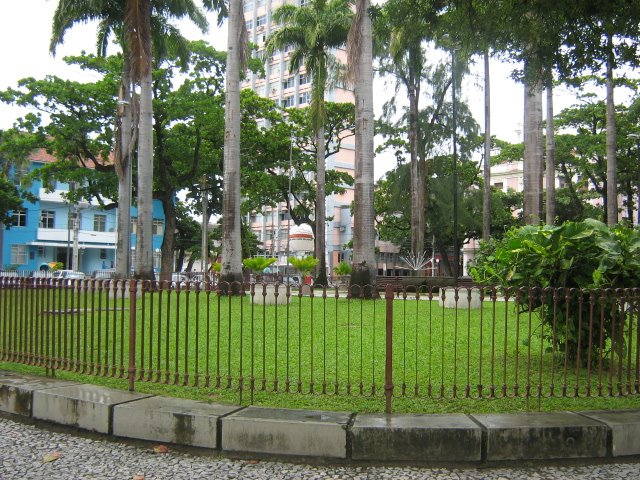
x,y
437,342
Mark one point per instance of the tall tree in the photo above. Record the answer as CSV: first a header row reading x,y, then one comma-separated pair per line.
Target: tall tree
x,y
231,219
550,170
110,15
400,28
360,64
313,30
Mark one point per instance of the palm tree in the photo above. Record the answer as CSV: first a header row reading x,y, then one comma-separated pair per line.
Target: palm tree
x,y
236,60
110,15
313,30
360,63
486,191
399,35
532,149
550,170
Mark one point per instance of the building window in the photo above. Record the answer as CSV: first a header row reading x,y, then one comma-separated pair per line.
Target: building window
x,y
18,254
103,254
304,79
99,223
289,101
19,172
158,226
498,185
248,6
289,83
47,219
20,218
249,24
305,97
275,70
261,21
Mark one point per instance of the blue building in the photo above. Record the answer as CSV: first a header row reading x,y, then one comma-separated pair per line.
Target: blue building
x,y
43,231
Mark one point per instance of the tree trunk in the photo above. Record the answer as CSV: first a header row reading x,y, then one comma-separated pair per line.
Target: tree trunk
x,y
231,242
364,268
612,166
486,191
551,159
124,147
532,151
168,239
321,214
144,244
417,179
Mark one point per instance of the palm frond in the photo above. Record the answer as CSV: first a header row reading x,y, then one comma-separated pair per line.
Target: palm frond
x,y
354,41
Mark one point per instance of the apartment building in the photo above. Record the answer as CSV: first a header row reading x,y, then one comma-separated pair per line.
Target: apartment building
x,y
50,229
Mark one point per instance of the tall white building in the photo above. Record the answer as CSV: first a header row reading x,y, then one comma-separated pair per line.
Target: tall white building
x,y
294,90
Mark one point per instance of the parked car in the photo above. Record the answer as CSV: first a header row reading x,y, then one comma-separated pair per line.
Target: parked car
x,y
293,280
68,274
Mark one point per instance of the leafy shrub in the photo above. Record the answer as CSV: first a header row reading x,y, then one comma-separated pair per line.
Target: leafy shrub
x,y
577,257
343,268
303,265
257,264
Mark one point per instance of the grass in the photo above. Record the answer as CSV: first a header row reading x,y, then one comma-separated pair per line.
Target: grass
x,y
330,352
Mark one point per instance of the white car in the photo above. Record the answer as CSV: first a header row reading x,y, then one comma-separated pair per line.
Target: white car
x,y
69,274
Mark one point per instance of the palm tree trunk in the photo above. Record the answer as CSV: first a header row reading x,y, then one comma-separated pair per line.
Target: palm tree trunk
x,y
532,151
551,159
123,170
417,181
139,44
364,268
231,244
612,166
486,191
321,214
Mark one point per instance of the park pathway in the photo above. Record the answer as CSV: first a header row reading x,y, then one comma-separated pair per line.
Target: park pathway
x,y
25,447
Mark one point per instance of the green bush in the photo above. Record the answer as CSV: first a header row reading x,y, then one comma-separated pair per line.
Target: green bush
x,y
304,265
575,255
258,264
343,268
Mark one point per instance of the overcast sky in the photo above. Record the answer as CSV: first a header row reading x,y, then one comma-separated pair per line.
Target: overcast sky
x,y
25,31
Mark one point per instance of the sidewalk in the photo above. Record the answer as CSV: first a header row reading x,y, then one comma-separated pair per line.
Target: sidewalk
x,y
414,438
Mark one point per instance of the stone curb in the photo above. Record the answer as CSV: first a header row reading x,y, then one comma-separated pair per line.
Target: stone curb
x,y
414,438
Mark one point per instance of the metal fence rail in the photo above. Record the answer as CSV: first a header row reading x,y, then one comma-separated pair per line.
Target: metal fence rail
x,y
441,343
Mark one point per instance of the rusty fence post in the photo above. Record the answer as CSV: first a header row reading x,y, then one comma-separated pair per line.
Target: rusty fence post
x,y
388,375
133,291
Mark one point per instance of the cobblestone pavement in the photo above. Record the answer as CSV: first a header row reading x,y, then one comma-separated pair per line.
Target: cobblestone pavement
x,y
24,447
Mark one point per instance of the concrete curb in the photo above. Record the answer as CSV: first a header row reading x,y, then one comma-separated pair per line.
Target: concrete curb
x,y
415,438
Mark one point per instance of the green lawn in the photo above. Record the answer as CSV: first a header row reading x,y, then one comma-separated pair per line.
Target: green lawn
x,y
315,352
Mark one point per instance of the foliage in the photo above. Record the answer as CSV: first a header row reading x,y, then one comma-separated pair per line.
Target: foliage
x,y
304,265
258,264
343,268
574,255
10,200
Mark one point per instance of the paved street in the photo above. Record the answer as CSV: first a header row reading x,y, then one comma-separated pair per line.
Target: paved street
x,y
24,449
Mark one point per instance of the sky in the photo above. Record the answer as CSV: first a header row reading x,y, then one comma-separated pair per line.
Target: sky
x,y
25,31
